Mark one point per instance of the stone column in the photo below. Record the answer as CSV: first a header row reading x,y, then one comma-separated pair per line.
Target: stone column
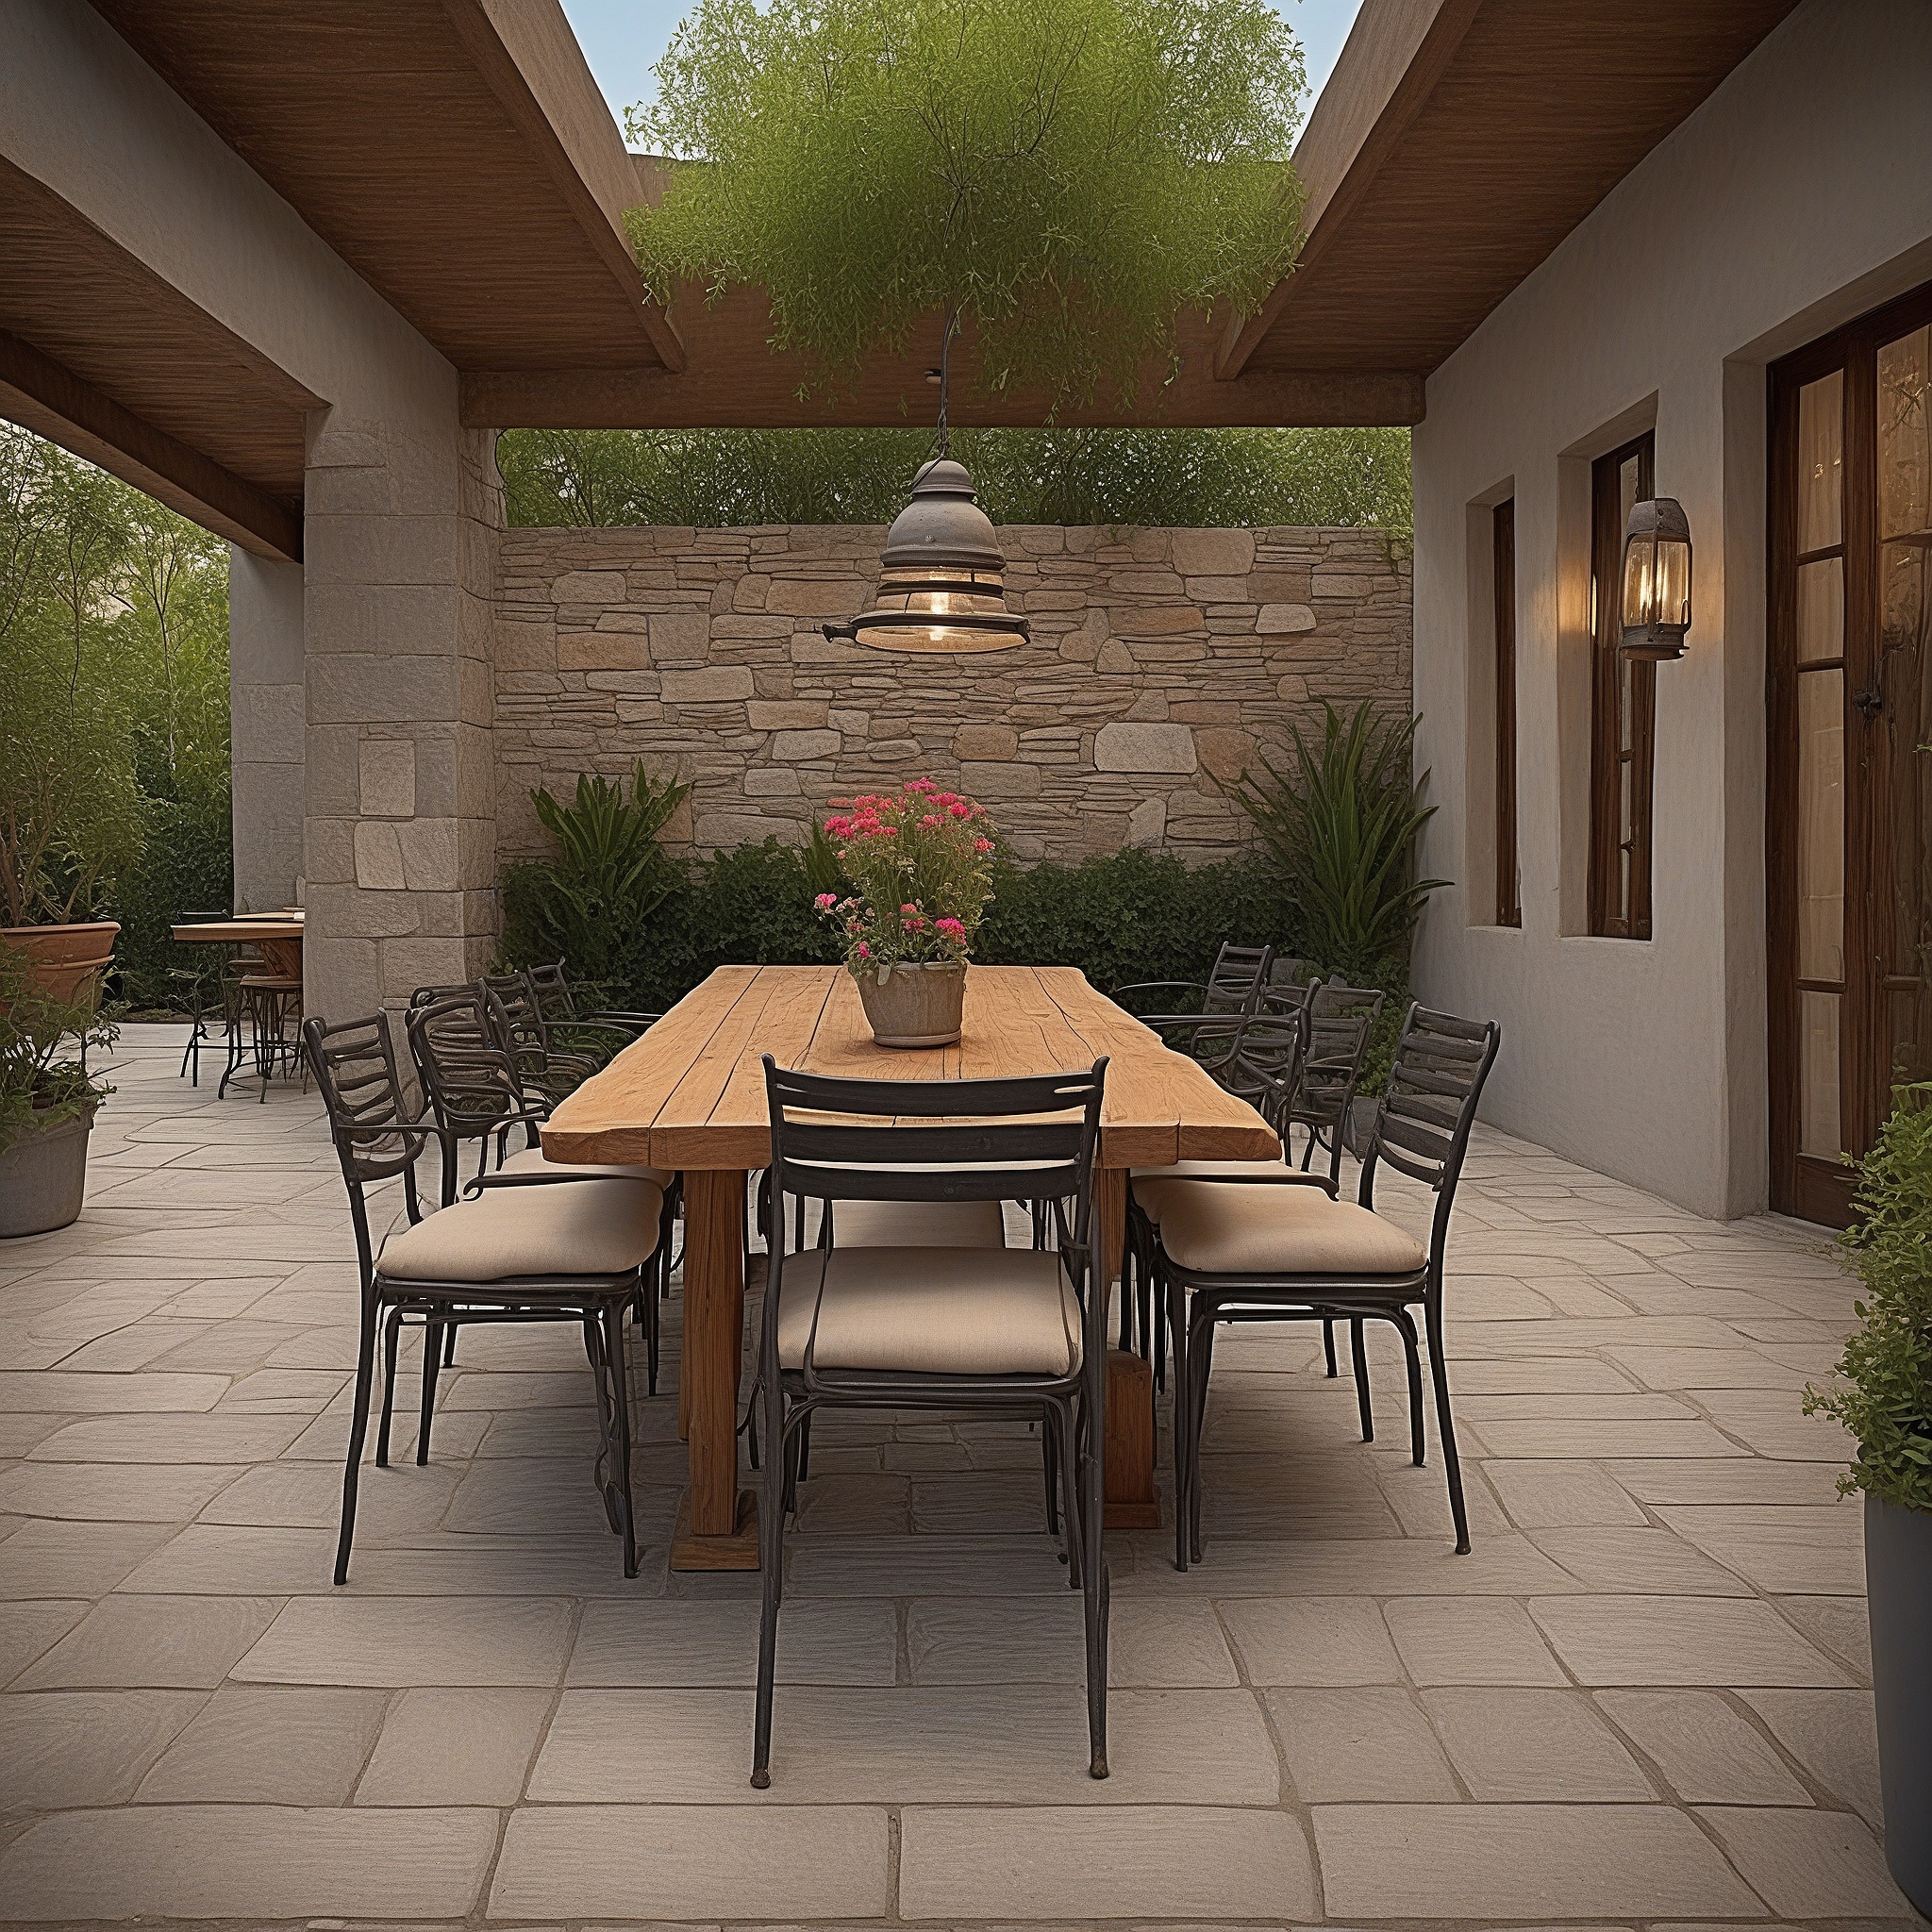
x,y
266,727
403,510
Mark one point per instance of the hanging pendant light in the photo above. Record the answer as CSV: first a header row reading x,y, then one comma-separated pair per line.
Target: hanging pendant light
x,y
942,574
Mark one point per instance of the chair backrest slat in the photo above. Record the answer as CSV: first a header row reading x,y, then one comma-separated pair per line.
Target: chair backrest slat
x,y
1238,973
355,1069
1423,1122
470,1080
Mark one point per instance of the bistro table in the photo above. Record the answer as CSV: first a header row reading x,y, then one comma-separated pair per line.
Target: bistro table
x,y
279,935
691,1095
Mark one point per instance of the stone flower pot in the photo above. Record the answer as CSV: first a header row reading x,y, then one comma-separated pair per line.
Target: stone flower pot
x,y
43,1177
914,1006
1898,1584
60,959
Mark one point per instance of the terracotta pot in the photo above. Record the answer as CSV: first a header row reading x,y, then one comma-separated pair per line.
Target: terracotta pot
x,y
914,1006
61,957
44,1178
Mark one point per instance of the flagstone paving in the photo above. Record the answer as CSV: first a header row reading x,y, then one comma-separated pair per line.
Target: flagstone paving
x,y
1642,1700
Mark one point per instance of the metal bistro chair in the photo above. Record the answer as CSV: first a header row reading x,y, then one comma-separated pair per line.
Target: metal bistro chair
x,y
1233,986
517,1015
1009,1331
1262,1067
269,1004
193,982
1286,1249
527,1248
472,1092
1342,1022
557,999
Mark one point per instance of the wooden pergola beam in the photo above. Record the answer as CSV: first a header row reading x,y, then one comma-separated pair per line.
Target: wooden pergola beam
x,y
49,398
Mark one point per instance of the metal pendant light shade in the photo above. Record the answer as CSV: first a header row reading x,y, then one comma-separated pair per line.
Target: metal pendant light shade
x,y
942,582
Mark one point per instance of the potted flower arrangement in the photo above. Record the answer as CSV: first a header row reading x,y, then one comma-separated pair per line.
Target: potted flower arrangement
x,y
47,1099
1883,1397
920,862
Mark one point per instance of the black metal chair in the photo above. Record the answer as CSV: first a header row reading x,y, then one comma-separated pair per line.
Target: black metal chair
x,y
599,1030
472,1091
193,982
559,1247
269,1006
517,1015
1342,1022
1287,1249
1262,1067
1233,986
1013,1331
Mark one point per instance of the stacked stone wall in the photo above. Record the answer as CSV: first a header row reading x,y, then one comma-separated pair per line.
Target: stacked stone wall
x,y
1161,662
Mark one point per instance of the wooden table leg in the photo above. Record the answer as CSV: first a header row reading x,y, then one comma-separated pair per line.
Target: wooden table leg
x,y
717,1525
1132,1502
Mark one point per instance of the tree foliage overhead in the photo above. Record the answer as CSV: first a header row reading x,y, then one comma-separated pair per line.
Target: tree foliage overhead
x,y
1186,478
1065,174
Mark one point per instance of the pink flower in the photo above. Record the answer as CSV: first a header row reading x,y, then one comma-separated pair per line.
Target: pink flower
x,y
982,844
959,808
861,951
825,901
931,823
952,928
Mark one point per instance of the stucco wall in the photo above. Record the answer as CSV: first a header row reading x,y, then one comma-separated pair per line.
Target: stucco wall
x,y
1798,197
1160,660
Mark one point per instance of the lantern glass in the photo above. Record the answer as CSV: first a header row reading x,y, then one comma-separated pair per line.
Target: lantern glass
x,y
951,599
1656,602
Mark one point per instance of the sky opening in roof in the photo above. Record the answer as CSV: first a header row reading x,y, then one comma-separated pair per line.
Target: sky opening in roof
x,y
623,38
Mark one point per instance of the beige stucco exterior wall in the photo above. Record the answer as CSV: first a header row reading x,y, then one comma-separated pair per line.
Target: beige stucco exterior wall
x,y
1798,197
1161,660
402,507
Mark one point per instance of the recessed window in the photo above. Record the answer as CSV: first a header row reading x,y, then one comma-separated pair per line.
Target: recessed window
x,y
1509,888
1623,709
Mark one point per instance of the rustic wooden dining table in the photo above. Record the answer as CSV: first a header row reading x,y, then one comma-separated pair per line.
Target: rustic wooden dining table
x,y
690,1094
281,939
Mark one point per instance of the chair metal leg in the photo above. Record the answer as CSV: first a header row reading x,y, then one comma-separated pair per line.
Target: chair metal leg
x,y
1047,1457
358,1430
449,1346
432,1362
1418,1443
805,1446
392,1332
772,1562
1201,1363
1328,1343
1358,1353
1067,1456
1445,1423
1177,1298
1095,1586
614,1368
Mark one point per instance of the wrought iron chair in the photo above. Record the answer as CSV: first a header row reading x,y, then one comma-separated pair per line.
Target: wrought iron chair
x,y
1014,1331
518,1017
193,982
1287,1249
535,1247
1262,1067
1233,986
1342,1022
601,1031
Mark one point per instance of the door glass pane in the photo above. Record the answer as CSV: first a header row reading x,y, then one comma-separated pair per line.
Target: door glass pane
x,y
1820,461
1822,826
1818,1110
1820,609
1904,554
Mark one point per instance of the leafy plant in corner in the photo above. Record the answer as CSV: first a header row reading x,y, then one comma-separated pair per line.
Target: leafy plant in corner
x,y
586,906
1884,1392
1344,823
42,1081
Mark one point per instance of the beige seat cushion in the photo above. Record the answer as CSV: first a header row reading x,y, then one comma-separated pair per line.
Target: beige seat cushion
x,y
1212,1229
582,1227
534,1161
1151,1196
918,1224
931,1311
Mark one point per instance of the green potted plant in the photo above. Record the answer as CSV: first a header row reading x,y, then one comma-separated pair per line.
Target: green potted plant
x,y
920,866
48,1099
1883,1395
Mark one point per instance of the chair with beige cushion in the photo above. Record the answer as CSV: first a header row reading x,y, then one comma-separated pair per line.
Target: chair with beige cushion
x,y
1286,1248
522,1247
981,1329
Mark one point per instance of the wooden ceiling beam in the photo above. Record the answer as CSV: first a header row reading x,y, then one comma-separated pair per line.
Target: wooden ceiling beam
x,y
47,397
649,398
532,62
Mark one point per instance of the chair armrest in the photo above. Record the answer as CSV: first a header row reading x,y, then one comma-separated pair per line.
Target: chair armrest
x,y
1160,985
1287,1177
472,1188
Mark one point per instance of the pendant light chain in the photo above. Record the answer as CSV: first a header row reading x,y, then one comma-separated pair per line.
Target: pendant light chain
x,y
945,358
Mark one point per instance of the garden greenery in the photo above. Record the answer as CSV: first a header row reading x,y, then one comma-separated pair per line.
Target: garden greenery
x,y
113,710
1884,1393
1065,176
42,1081
1181,478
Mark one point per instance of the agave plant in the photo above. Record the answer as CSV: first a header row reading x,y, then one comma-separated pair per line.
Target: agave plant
x,y
1343,825
588,905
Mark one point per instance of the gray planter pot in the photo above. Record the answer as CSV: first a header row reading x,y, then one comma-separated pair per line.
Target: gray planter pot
x,y
1898,1583
44,1178
914,1006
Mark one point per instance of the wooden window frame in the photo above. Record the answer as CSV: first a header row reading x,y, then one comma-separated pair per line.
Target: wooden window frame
x,y
1611,914
1503,533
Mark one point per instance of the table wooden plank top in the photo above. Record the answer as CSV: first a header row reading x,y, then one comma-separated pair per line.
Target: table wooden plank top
x,y
690,1093
238,932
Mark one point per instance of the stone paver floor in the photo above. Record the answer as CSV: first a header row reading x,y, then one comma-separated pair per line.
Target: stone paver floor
x,y
1642,1700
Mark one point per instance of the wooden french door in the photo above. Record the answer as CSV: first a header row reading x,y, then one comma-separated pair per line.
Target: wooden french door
x,y
1849,849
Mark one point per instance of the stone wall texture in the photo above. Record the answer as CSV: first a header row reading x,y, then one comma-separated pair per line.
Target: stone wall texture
x,y
1160,663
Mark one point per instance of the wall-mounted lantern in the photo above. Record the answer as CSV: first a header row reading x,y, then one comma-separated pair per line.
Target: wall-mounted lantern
x,y
943,573
1657,579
